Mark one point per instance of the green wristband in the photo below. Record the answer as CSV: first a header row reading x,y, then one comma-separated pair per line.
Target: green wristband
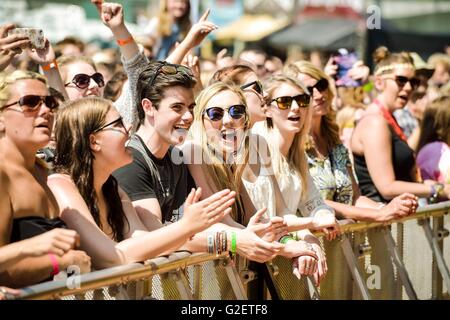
x,y
285,239
233,242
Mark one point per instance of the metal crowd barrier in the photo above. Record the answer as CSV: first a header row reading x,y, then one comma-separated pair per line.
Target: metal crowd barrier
x,y
410,255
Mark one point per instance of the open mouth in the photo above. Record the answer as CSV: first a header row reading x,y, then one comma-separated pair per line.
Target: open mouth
x,y
294,119
229,136
42,125
404,98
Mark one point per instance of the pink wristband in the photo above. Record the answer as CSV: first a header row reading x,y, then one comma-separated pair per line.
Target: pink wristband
x,y
55,264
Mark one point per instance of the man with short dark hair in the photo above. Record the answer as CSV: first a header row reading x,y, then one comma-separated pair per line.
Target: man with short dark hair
x,y
157,180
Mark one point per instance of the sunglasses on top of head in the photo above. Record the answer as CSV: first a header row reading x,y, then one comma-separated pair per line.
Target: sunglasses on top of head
x,y
236,112
83,80
255,85
285,102
33,102
170,69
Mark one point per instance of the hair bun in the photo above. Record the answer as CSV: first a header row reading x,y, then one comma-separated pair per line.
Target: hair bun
x,y
380,54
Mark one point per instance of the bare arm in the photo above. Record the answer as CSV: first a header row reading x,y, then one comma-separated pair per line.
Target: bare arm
x,y
378,155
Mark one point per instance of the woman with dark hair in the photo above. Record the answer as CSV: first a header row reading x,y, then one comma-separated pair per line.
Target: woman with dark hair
x,y
90,145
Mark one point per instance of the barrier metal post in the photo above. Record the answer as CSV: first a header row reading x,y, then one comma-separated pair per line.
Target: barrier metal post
x,y
235,281
435,248
182,284
314,293
352,263
395,256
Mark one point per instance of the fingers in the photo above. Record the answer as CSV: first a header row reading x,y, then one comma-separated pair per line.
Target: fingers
x,y
205,15
218,212
198,195
190,197
216,196
5,28
258,215
98,5
220,201
221,54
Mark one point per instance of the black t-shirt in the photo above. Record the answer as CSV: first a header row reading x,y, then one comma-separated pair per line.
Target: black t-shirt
x,y
170,187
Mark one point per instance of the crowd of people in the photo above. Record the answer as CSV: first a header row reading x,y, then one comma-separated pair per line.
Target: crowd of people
x,y
118,156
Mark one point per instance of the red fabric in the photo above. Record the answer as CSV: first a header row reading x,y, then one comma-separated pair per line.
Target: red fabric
x,y
391,120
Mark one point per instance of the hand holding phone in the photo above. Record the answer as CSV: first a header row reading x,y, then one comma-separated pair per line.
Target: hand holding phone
x,y
345,61
35,35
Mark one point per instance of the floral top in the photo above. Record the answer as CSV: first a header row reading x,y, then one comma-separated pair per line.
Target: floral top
x,y
331,176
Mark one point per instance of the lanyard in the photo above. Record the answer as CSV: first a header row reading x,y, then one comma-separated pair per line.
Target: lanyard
x,y
391,120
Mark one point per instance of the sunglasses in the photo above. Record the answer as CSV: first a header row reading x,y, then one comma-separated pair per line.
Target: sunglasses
x,y
216,113
401,81
285,102
32,102
170,69
320,85
257,86
118,121
83,80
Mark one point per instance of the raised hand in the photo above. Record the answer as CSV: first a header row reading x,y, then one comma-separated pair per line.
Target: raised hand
x,y
110,13
42,56
359,71
200,30
200,215
10,46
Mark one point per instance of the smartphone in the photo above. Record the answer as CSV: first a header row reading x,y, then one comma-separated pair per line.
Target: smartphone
x,y
35,35
345,61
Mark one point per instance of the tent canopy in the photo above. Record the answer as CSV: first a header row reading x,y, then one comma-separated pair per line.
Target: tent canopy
x,y
251,28
318,33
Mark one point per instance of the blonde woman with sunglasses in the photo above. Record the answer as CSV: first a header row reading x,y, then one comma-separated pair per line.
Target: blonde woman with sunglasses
x,y
27,205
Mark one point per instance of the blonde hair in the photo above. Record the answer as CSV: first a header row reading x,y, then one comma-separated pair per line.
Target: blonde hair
x,y
223,176
165,23
352,101
295,159
8,79
329,129
386,62
435,125
64,61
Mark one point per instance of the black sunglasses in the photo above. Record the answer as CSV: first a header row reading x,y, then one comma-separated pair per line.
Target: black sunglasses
x,y
320,85
33,102
170,69
285,102
257,86
83,80
401,82
216,113
118,120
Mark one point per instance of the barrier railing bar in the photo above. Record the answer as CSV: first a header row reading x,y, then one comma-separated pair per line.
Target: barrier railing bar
x,y
313,292
182,284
